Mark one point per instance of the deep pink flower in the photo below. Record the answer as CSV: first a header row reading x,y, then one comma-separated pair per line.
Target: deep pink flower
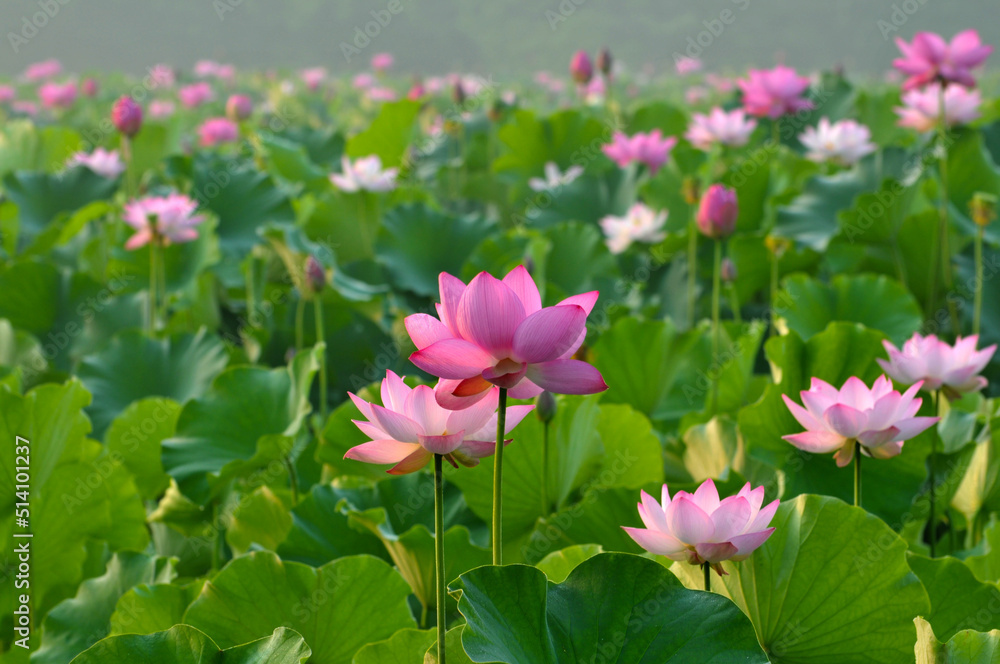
x,y
41,71
880,418
7,94
55,95
126,115
215,131
774,92
89,87
930,59
718,211
650,149
581,68
313,77
699,528
162,219
938,365
409,428
720,127
495,332
921,108
239,107
382,61
196,94
417,91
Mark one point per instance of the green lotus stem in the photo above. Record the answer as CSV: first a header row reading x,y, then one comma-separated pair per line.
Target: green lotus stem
x,y
300,314
161,301
932,493
153,278
321,336
734,303
498,480
363,222
946,271
857,474
545,468
692,265
442,627
716,327
130,189
708,576
977,309
293,480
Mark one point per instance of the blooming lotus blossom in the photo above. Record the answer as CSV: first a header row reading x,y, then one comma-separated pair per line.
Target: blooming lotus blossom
x,y
930,59
210,69
594,93
196,94
416,92
410,428
161,108
55,95
844,142
365,174
720,83
382,62
921,109
718,211
699,528
41,71
650,149
554,178
938,365
381,93
216,131
105,163
363,81
495,332
26,107
126,116
163,220
239,107
640,224
7,94
774,92
719,127
696,94
581,68
89,87
162,77
880,419
685,65
313,77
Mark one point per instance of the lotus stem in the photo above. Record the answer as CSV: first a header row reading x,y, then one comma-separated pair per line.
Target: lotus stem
x,y
708,577
545,468
293,480
153,278
498,480
716,327
442,627
932,492
321,336
692,266
772,327
978,302
857,474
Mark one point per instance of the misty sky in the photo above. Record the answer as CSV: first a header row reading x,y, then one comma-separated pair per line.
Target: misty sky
x,y
504,37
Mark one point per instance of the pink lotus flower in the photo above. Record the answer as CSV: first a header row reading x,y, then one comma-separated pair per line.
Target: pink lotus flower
x,y
239,107
718,211
416,92
641,224
844,142
381,93
921,109
650,149
410,428
364,174
880,419
495,332
196,94
593,93
41,71
210,69
937,365
216,131
89,87
699,528
55,95
382,62
685,65
774,92
695,94
363,81
126,115
7,94
313,77
719,127
930,59
161,108
163,220
581,68
26,107
720,83
105,163
161,77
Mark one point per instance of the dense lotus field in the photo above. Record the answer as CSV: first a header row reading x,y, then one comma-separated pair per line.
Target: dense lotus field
x,y
261,332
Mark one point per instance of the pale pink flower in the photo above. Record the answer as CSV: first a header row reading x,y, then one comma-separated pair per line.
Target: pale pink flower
x,y
719,127
844,142
410,427
196,94
640,224
7,94
938,365
554,178
686,65
162,77
650,149
695,94
363,81
365,174
382,62
56,95
161,108
921,108
880,419
699,528
381,93
720,83
164,220
105,163
215,131
774,92
313,77
25,107
930,59
41,71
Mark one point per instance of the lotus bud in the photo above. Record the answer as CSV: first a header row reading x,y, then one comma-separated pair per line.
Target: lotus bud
x,y
239,107
89,87
777,245
717,212
580,68
315,274
126,115
545,406
983,208
604,62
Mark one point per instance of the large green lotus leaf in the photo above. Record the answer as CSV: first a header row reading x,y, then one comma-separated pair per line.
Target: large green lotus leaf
x,y
979,489
558,564
830,585
135,438
614,607
261,519
31,295
407,646
807,306
632,451
713,449
183,644
753,264
41,197
150,608
876,217
388,135
134,366
966,647
409,245
959,601
565,137
290,161
455,651
834,355
577,261
985,562
23,146
243,406
970,168
338,608
76,624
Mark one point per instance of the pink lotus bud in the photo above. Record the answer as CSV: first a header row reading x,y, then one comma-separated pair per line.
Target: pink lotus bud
x,y
126,115
315,274
580,68
728,270
239,107
604,62
89,87
717,212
